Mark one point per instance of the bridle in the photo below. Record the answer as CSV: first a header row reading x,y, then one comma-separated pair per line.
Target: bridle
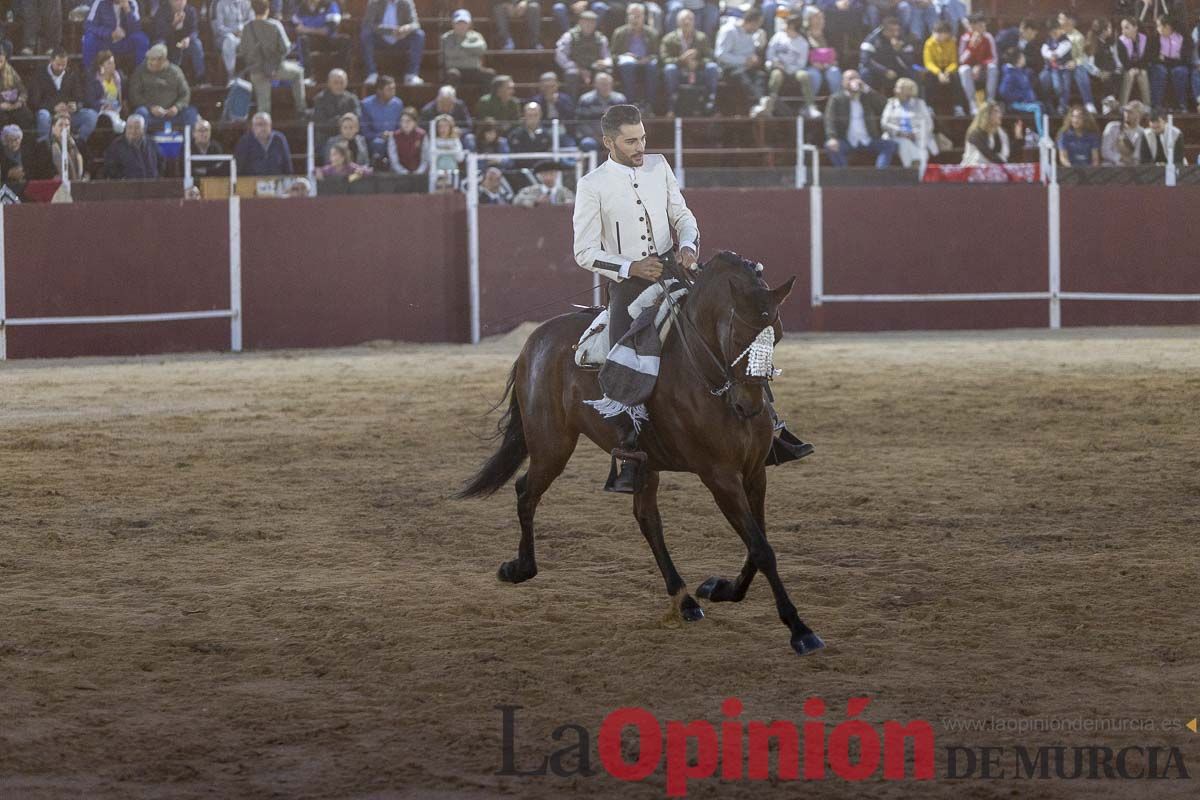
x,y
723,360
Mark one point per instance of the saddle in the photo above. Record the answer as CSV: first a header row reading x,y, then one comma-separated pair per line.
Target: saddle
x,y
591,351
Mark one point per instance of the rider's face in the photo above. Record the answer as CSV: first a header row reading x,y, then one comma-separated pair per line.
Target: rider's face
x,y
629,148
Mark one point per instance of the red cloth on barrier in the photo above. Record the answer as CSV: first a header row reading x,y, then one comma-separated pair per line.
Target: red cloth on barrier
x,y
990,173
41,191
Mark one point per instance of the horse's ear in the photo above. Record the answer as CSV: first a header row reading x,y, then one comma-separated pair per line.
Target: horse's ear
x,y
781,294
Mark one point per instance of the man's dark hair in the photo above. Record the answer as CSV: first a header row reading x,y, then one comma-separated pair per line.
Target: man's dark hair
x,y
753,15
381,81
943,27
1012,55
978,16
889,21
260,7
1157,115
1031,24
616,116
1068,14
58,52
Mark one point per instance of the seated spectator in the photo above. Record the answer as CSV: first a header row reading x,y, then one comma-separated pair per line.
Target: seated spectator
x,y
261,150
57,89
886,56
852,123
1076,62
609,13
381,115
874,12
927,13
987,142
230,17
115,26
635,51
592,106
530,136
49,153
738,56
499,104
316,25
264,48
1101,59
547,190
41,21
907,121
393,26
505,11
462,53
1171,59
787,62
580,52
1136,52
447,102
490,142
443,149
1026,38
1016,89
105,91
1121,141
177,25
823,71
1058,73
1078,141
841,21
14,99
1161,141
943,89
555,104
341,165
1196,65
349,137
159,92
12,157
978,61
406,147
705,17
132,156
493,189
204,145
333,102
685,42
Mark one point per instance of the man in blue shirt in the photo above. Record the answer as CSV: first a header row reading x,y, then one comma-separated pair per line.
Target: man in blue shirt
x,y
381,115
316,23
263,151
114,25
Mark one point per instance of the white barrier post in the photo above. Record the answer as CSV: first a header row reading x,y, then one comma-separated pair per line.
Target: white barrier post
x,y
816,233
679,177
1171,173
473,241
1053,219
235,273
64,159
554,134
3,298
801,166
188,182
311,163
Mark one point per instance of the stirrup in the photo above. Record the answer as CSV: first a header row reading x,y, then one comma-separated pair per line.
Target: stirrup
x,y
630,478
787,447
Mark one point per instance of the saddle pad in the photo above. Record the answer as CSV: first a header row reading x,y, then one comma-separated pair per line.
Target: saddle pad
x,y
592,350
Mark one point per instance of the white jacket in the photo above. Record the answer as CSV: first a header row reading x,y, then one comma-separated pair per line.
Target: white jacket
x,y
611,204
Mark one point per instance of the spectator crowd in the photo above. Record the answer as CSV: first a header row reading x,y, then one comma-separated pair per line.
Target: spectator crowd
x,y
873,76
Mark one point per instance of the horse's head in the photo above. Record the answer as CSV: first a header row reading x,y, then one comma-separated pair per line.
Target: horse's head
x,y
738,314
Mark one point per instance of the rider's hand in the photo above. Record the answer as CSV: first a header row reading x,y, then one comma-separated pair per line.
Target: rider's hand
x,y
687,257
649,268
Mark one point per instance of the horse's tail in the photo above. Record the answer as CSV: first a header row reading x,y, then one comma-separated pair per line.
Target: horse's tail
x,y
511,454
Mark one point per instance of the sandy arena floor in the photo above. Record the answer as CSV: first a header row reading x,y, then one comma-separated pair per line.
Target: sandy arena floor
x,y
242,576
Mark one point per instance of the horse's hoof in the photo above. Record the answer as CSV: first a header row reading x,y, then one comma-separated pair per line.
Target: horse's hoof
x,y
715,589
690,610
513,572
807,643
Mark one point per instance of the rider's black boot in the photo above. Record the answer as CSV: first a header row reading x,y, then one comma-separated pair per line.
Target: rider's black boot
x,y
630,476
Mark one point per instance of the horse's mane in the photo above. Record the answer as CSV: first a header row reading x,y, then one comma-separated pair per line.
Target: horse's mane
x,y
721,263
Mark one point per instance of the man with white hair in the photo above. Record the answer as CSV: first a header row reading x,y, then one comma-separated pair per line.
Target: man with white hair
x,y
159,92
592,106
12,155
229,18
686,54
446,102
262,150
132,156
334,101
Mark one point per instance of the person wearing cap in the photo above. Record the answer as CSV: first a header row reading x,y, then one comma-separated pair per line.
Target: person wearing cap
x,y
581,51
462,53
159,92
393,25
1121,140
548,190
625,213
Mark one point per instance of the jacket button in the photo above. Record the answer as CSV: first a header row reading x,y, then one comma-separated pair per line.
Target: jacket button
x,y
639,202
643,252
635,186
643,237
641,219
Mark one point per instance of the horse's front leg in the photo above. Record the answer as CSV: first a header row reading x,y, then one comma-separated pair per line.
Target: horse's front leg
x,y
730,493
645,510
723,590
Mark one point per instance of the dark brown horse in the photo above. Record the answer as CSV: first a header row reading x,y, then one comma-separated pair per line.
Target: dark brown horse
x,y
705,417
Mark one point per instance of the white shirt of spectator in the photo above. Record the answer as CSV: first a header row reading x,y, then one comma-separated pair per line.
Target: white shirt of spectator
x,y
857,134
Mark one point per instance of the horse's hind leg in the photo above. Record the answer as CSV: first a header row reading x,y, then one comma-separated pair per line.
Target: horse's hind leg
x,y
546,462
723,590
730,493
645,509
